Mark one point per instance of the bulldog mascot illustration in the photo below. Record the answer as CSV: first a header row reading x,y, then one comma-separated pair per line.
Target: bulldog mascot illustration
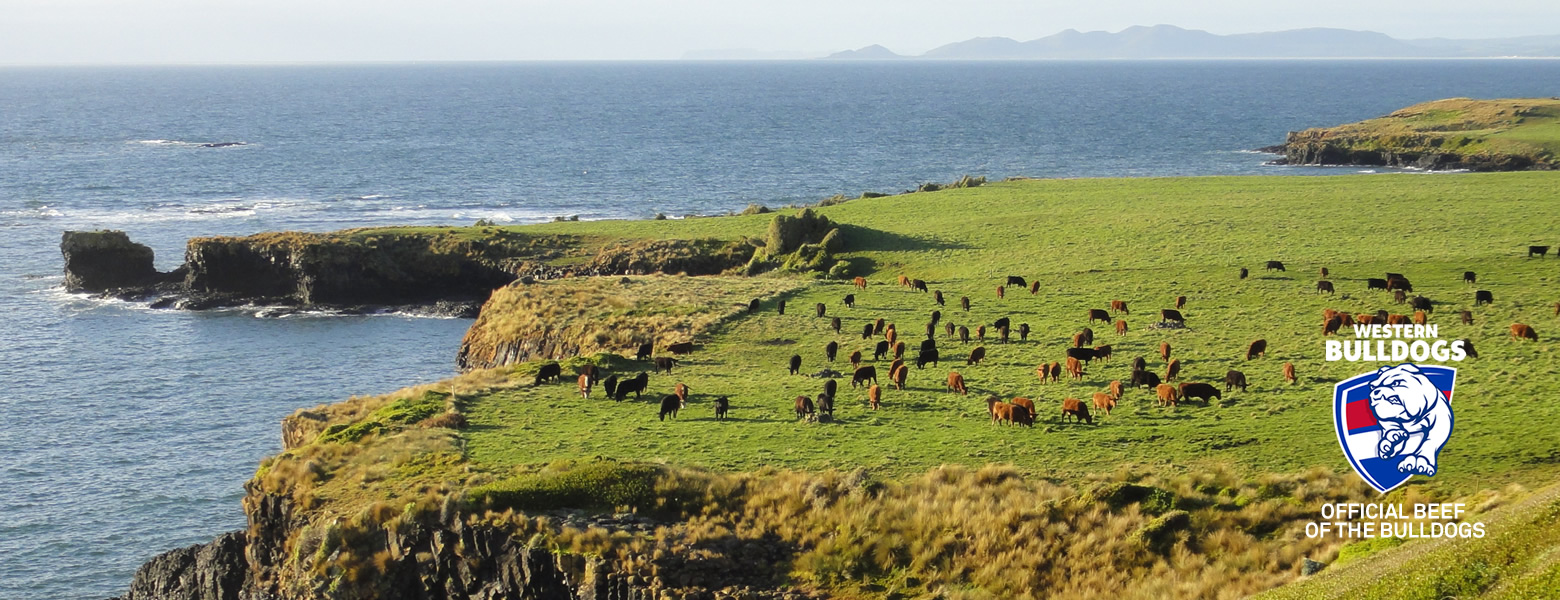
x,y
1415,418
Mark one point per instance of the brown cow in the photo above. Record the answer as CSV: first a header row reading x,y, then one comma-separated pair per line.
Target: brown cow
x,y
1289,373
1399,297
1074,368
1333,324
1234,379
1000,411
1121,327
948,328
665,363
1348,319
1098,314
964,334
1557,309
1164,350
861,282
1043,372
1365,319
898,376
681,392
1173,369
976,355
904,281
938,297
835,324
1104,402
1077,340
1324,286
1034,287
866,331
1397,320
820,309
1166,395
1028,404
1116,389
1257,348
585,386
1077,410
898,362
1102,352
890,334
681,348
956,383
855,359
1324,272
1420,318
804,407
1467,316
1001,292
1328,313
877,327
1520,331
1120,306
980,332
874,397
964,302
1180,302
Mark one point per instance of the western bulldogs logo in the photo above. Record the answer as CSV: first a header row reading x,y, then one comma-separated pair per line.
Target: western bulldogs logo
x,y
1393,422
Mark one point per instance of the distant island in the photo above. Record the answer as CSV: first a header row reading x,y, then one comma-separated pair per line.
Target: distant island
x,y
1457,133
1169,41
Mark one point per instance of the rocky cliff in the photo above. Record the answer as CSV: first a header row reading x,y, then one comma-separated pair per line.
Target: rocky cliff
x,y
101,261
1455,134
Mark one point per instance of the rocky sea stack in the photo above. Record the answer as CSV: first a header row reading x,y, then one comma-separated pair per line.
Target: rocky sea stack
x,y
1454,134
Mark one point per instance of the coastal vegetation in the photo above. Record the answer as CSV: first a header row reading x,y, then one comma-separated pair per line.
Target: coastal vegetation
x,y
1457,133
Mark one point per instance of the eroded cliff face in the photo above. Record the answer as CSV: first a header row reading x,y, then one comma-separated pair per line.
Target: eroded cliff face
x,y
101,261
1320,147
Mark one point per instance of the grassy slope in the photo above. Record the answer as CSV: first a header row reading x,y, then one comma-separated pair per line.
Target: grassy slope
x,y
1524,127
1090,241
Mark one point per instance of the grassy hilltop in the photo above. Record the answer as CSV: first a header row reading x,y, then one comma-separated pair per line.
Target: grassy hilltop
x,y
1212,491
1457,133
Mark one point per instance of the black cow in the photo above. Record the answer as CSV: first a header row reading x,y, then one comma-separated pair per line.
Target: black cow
x,y
665,363
1375,284
1467,346
881,350
831,350
1016,280
918,285
820,309
1170,314
1324,286
1274,265
549,372
1023,332
1244,273
722,406
925,357
866,331
1139,364
780,307
645,351
1201,391
796,364
1470,277
1142,378
1002,322
826,405
609,385
1082,354
830,386
1483,297
976,355
863,375
964,302
1234,379
753,306
850,300
669,405
936,317
1539,250
928,344
1422,303
835,324
938,297
636,385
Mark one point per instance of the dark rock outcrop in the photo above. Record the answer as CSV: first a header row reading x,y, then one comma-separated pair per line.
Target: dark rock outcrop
x,y
1316,148
100,261
214,571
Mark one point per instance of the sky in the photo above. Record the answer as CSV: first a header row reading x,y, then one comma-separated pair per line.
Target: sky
x,y
247,31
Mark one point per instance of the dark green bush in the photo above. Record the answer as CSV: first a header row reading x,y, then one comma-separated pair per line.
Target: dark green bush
x,y
599,485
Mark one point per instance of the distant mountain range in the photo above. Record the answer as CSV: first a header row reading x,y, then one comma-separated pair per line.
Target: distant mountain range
x,y
1169,41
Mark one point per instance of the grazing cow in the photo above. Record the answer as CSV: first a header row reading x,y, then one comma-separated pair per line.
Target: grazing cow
x,y
1023,416
1002,333
796,364
1244,273
875,397
1467,346
1332,325
925,357
681,392
609,385
825,406
1289,373
1257,348
1234,379
681,348
1028,404
664,363
850,301
890,334
1375,284
1139,364
1034,287
591,371
1099,314
936,317
1164,350
1088,336
1328,313
1420,318
1172,370
636,385
835,324
1001,292
1104,402
1381,315
1082,354
1400,284
1467,316
1364,319
976,355
820,309
877,326
1121,327
980,332
1075,368
722,407
1539,250
548,372
1483,297
1002,322
1399,297
1274,265
804,407
1000,411
1071,407
863,375
669,406
1470,277
1422,303
1119,306
1397,320
964,302
1169,314
899,350
918,285
1180,302
956,383
1043,372
1016,280
964,334
1023,332
881,350
1391,276
584,386
866,331
949,329
861,282
928,344
937,295
1056,371
831,386
1324,286
1077,339
898,375
1116,390
644,352
855,359
904,281
1102,352
1324,273
1201,391
1520,331
780,307
753,306
895,365
1348,319
1166,395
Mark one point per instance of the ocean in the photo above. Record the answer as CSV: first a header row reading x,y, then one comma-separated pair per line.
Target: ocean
x,y
125,431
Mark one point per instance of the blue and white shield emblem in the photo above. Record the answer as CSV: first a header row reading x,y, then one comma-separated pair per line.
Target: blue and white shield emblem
x,y
1393,422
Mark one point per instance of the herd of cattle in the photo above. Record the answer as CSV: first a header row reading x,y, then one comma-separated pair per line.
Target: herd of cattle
x,y
1021,411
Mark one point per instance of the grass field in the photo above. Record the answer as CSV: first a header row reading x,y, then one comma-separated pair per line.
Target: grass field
x,y
1088,242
